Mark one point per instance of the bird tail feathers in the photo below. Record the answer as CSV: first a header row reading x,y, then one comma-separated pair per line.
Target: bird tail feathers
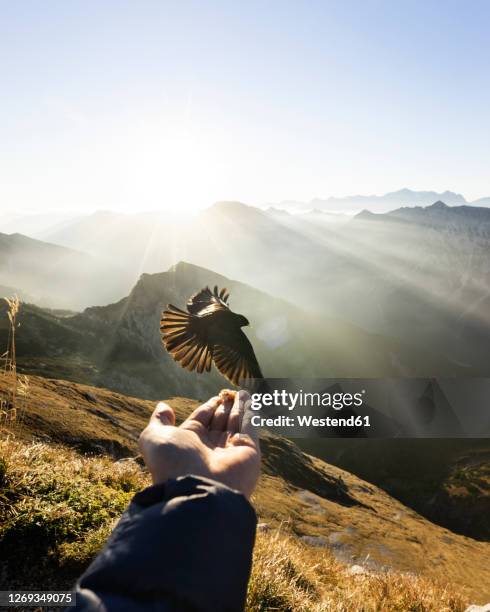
x,y
182,340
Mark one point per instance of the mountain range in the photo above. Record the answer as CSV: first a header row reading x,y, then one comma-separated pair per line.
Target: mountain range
x,y
437,215
381,203
52,275
420,276
118,346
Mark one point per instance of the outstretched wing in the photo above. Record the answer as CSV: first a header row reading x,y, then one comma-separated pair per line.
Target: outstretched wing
x,y
236,359
185,338
207,300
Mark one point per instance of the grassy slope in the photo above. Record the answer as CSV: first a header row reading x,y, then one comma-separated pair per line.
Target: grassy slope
x,y
324,515
446,480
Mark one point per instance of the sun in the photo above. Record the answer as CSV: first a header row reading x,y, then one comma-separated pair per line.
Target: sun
x,y
171,168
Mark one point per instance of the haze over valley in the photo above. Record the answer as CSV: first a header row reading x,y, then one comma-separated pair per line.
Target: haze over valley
x,y
418,277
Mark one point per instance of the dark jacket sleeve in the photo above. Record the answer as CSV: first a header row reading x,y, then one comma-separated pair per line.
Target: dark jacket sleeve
x,y
182,545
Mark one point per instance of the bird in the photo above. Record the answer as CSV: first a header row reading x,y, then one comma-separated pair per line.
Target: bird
x,y
210,332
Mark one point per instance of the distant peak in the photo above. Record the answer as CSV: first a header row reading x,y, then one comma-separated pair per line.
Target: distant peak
x,y
366,215
365,212
439,205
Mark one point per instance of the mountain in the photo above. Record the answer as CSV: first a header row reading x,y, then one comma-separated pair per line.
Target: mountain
x,y
35,224
377,203
112,235
416,276
446,480
119,346
439,214
326,535
231,238
433,285
52,275
471,220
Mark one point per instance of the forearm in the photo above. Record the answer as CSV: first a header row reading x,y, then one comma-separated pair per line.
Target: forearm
x,y
187,542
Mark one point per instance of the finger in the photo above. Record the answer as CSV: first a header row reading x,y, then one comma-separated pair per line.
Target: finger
x,y
247,428
240,439
236,413
163,413
220,417
204,413
218,438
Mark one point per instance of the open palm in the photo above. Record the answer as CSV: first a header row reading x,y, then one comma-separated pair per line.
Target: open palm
x,y
216,441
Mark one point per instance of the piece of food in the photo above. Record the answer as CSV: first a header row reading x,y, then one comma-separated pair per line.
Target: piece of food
x,y
227,395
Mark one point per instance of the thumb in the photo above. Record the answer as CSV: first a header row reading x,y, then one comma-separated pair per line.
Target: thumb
x,y
164,414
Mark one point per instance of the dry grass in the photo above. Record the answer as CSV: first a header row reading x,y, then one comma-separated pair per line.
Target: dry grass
x,y
14,401
98,421
57,508
10,359
289,576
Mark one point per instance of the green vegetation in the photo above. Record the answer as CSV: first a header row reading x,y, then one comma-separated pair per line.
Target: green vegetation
x,y
56,509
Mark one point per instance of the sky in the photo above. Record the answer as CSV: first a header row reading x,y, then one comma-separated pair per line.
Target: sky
x,y
174,105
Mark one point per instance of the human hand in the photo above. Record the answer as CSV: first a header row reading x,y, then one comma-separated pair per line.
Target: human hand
x,y
216,441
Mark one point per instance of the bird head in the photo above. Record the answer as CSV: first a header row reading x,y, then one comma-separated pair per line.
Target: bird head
x,y
242,321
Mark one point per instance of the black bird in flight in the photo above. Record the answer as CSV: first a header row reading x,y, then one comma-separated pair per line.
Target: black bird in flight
x,y
209,331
